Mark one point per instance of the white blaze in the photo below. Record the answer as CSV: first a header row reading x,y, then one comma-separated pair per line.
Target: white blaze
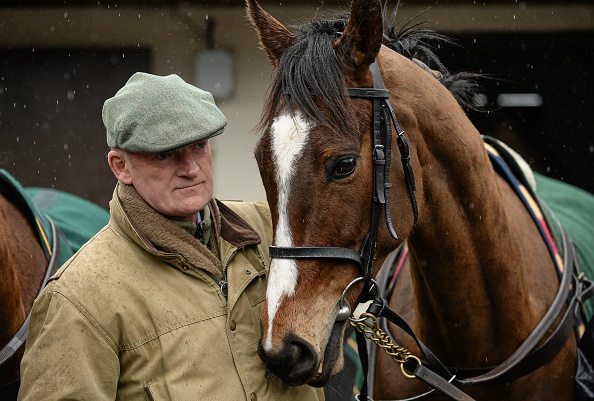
x,y
289,134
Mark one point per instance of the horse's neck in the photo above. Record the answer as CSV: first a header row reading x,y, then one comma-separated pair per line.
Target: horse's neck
x,y
470,262
11,301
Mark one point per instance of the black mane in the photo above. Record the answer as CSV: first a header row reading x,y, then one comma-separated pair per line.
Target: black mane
x,y
414,41
310,77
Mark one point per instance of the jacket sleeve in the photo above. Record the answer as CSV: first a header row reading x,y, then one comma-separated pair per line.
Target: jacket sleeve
x,y
66,356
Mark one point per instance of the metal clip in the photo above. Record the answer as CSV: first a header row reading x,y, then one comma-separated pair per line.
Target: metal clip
x,y
224,288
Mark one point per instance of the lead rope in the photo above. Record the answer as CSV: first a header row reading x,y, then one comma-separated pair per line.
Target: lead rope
x,y
370,329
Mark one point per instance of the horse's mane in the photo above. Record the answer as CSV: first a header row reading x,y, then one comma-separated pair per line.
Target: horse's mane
x,y
415,41
309,75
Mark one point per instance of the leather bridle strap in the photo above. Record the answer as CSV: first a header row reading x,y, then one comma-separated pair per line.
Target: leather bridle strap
x,y
312,252
526,359
383,118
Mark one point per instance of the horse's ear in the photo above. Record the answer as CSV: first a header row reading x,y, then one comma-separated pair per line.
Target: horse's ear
x,y
274,37
362,38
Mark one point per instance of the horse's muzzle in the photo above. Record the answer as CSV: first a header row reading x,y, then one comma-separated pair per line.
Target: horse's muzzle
x,y
295,364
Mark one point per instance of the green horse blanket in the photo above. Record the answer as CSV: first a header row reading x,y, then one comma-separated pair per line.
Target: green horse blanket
x,y
77,219
574,208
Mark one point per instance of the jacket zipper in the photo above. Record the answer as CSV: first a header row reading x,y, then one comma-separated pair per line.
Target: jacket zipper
x,y
200,232
223,287
223,284
148,393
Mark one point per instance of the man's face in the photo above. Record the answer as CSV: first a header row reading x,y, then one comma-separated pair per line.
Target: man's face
x,y
177,184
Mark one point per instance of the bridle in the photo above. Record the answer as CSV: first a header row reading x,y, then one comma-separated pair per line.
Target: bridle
x,y
536,350
383,118
382,121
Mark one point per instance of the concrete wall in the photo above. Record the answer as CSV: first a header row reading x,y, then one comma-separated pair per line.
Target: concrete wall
x,y
175,36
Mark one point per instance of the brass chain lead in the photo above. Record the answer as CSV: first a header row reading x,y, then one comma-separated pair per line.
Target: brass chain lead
x,y
369,327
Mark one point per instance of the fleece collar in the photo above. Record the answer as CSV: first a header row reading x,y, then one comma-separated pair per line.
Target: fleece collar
x,y
165,239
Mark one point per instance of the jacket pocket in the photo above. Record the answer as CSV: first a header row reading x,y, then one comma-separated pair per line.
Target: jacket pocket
x,y
155,392
256,293
256,290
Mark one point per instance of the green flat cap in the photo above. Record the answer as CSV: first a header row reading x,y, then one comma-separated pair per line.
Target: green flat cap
x,y
158,114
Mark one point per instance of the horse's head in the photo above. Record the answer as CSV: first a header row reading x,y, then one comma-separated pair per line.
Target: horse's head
x,y
316,161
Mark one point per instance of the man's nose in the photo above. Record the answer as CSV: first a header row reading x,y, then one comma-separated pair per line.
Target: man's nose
x,y
188,163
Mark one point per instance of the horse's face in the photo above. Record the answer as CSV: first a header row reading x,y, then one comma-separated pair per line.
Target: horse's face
x,y
307,189
315,161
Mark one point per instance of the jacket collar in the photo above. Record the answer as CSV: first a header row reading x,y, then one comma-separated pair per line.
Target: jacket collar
x,y
168,241
234,229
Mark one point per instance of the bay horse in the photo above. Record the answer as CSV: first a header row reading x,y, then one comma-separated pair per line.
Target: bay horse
x,y
479,279
40,228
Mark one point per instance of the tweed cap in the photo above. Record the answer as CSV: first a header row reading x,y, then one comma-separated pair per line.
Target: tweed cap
x,y
158,114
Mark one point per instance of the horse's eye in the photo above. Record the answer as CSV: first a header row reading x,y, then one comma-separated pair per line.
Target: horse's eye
x,y
345,167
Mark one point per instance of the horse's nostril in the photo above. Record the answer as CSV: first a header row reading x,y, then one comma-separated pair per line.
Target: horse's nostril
x,y
295,363
302,353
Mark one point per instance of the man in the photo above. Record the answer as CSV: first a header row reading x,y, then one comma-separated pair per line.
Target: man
x,y
164,302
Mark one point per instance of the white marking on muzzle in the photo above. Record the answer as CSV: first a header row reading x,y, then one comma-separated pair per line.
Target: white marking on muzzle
x,y
289,134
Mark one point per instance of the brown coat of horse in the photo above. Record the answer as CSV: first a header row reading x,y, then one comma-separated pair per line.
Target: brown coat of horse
x,y
480,277
22,268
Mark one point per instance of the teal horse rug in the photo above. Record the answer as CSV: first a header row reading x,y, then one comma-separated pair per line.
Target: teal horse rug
x,y
78,219
51,212
574,208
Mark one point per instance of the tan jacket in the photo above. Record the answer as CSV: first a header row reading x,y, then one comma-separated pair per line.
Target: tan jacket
x,y
138,313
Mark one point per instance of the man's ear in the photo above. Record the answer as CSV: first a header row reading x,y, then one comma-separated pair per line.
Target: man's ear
x,y
119,166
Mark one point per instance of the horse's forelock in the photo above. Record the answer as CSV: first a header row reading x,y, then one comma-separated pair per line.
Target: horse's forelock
x,y
308,79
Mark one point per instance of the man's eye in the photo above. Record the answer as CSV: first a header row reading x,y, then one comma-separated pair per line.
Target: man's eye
x,y
201,145
199,148
162,156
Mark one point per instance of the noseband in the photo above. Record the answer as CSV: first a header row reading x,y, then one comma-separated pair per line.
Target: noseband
x,y
383,118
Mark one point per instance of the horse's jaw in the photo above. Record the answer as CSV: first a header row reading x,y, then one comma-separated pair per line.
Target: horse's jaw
x,y
333,358
296,363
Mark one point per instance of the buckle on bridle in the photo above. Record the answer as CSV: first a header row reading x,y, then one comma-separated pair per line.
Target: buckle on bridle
x,y
379,156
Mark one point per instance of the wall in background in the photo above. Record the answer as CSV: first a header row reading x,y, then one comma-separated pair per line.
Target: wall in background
x,y
166,40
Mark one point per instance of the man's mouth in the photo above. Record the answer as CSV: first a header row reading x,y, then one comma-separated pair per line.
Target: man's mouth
x,y
189,187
